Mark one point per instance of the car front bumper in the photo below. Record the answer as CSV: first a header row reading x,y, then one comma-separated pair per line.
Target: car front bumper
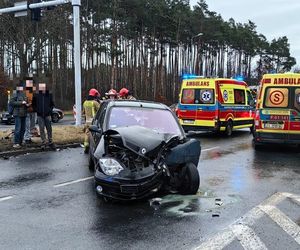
x,y
128,189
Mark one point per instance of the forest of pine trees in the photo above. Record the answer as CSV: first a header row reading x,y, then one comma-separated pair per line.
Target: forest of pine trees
x,y
144,45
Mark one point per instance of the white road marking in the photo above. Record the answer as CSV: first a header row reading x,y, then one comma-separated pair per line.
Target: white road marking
x,y
222,239
247,237
6,198
73,182
293,197
283,221
207,149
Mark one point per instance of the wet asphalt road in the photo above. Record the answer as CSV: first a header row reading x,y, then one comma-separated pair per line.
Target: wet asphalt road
x,y
37,214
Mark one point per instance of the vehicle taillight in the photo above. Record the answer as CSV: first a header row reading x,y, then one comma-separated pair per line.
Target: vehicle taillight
x,y
257,119
257,115
294,113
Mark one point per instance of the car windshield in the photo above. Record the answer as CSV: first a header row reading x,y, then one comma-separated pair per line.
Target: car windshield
x,y
159,120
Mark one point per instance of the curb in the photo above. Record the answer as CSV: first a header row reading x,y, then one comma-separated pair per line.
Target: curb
x,y
8,154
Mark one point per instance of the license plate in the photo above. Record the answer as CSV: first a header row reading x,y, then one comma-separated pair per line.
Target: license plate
x,y
188,121
274,125
4,118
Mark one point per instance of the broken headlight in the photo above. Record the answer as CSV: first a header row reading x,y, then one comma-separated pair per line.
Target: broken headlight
x,y
110,166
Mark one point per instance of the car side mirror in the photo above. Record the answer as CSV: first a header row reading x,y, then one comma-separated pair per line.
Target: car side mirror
x,y
95,129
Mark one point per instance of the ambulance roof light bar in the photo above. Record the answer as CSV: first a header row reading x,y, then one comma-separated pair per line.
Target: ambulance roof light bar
x,y
191,76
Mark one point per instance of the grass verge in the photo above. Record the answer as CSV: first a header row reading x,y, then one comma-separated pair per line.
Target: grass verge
x,y
62,135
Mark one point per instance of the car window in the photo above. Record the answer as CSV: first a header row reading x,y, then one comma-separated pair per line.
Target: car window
x,y
160,120
99,113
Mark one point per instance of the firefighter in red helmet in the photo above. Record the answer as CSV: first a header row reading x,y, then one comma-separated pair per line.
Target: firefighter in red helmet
x,y
125,94
90,108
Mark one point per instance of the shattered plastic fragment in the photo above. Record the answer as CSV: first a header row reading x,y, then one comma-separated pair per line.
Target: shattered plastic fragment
x,y
219,203
155,203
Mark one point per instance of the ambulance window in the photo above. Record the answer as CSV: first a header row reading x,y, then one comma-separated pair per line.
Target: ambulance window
x,y
276,98
206,96
239,96
188,96
250,99
297,99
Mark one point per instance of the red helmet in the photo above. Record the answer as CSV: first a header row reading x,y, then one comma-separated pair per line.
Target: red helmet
x,y
123,92
112,92
94,92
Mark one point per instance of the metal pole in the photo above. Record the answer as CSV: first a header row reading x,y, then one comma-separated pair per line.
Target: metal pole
x,y
77,59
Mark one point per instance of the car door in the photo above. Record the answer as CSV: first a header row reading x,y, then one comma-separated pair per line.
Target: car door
x,y
98,121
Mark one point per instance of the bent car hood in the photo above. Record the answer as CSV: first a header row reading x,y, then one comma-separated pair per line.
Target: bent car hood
x,y
139,139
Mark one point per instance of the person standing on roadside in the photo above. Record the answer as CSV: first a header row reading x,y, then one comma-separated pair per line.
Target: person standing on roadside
x,y
31,116
43,105
19,105
90,108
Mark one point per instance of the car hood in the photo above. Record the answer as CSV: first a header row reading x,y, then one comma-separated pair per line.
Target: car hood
x,y
139,139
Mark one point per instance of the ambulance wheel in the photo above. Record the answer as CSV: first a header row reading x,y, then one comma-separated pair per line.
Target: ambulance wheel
x,y
256,145
252,129
229,128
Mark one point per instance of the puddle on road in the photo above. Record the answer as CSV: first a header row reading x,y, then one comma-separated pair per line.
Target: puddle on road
x,y
51,202
205,201
25,180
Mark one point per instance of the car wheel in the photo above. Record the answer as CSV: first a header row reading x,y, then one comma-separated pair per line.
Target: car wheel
x,y
91,162
229,128
55,118
191,180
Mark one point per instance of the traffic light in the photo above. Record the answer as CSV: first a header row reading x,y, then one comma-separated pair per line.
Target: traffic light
x,y
35,13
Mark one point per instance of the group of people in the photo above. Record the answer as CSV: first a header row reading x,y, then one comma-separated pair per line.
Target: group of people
x,y
92,104
27,105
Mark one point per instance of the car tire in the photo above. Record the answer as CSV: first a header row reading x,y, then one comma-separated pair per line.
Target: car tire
x,y
229,128
91,162
55,118
191,179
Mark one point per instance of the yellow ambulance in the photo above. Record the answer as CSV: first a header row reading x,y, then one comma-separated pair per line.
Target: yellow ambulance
x,y
277,118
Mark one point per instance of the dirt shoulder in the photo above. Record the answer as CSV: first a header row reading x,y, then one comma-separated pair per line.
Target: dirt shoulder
x,y
62,135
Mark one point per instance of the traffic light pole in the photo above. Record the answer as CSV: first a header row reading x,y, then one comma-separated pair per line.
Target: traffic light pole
x,y
77,55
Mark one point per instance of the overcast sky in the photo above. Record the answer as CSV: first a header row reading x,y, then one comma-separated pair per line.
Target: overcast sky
x,y
274,18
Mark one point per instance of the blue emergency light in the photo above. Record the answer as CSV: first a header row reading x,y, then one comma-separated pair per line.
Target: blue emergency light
x,y
190,76
239,78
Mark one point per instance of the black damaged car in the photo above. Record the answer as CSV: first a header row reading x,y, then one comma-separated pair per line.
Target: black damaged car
x,y
138,148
